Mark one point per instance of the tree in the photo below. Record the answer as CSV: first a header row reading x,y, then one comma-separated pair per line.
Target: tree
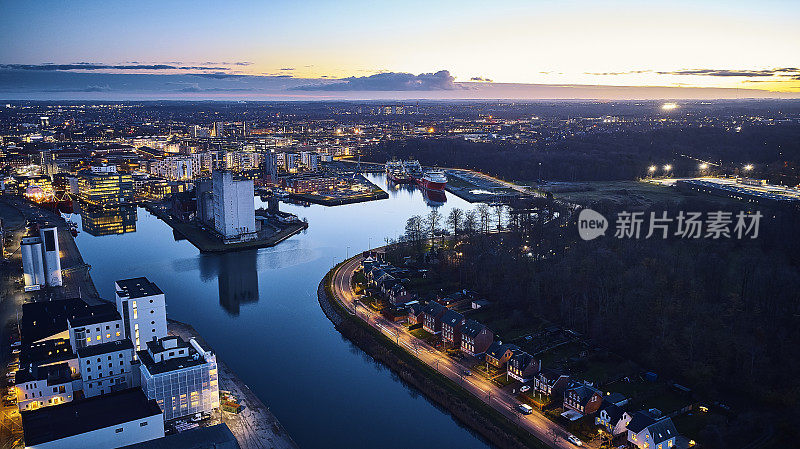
x,y
470,222
414,228
454,220
484,214
499,212
432,223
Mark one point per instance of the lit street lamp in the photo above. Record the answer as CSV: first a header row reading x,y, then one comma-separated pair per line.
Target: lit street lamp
x,y
667,167
703,166
748,167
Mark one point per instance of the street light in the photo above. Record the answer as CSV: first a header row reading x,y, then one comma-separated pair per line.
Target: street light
x,y
748,167
667,167
652,168
703,166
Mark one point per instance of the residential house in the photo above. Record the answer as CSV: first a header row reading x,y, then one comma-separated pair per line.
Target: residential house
x,y
612,418
646,433
475,338
550,382
522,366
415,315
498,354
452,322
432,317
582,398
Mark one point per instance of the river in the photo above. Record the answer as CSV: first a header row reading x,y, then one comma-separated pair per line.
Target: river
x,y
258,310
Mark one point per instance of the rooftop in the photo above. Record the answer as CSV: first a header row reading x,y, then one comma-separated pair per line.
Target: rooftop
x,y
218,437
137,288
103,348
73,418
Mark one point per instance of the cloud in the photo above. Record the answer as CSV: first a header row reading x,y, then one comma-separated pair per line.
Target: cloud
x,y
89,66
390,81
481,79
217,75
196,88
784,71
287,69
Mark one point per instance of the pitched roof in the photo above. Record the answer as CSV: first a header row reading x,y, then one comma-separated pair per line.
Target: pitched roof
x,y
472,328
520,359
640,421
614,411
434,308
584,392
452,318
662,430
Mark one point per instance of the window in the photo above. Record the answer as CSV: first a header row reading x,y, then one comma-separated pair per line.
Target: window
x,y
89,378
88,369
109,335
118,430
142,424
108,327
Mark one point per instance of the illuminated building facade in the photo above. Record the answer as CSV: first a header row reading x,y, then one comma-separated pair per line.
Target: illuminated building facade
x,y
105,188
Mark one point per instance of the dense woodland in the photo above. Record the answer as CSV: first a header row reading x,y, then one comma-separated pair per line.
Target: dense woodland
x,y
722,316
621,155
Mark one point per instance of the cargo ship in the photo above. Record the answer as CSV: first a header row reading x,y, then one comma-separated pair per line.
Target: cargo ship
x,y
395,172
412,168
432,180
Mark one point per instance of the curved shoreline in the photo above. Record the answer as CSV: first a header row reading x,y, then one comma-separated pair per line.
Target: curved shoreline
x,y
474,414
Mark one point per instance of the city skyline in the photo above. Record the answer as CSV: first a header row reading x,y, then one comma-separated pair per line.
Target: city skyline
x,y
354,50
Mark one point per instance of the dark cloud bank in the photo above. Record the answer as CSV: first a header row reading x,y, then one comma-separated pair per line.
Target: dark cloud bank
x,y
389,81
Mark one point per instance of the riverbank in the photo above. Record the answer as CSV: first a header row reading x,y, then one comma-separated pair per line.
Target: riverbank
x,y
255,427
475,414
206,242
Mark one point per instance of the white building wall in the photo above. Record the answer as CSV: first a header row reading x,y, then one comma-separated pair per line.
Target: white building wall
x,y
104,373
147,318
119,435
234,211
95,334
32,263
36,394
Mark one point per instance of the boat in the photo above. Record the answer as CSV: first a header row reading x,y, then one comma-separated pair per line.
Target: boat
x,y
432,180
395,172
412,168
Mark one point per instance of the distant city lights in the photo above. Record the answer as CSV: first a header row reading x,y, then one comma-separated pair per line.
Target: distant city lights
x,y
703,166
669,106
667,167
748,167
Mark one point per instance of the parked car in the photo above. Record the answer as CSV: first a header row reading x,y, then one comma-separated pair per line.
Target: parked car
x,y
525,409
466,372
524,388
574,440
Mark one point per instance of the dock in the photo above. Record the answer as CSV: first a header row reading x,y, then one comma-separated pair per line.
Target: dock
x,y
207,242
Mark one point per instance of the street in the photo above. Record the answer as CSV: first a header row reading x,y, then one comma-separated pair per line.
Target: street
x,y
502,401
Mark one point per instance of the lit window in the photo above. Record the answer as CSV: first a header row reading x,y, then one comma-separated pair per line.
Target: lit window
x,y
98,338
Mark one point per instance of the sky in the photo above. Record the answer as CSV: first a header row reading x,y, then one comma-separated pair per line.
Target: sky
x,y
411,49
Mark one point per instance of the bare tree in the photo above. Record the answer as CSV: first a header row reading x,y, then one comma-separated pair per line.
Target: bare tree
x,y
484,214
432,223
499,213
414,228
454,220
470,222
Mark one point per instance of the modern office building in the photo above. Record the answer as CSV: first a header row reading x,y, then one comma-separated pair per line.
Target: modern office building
x,y
143,308
116,420
181,377
105,188
234,210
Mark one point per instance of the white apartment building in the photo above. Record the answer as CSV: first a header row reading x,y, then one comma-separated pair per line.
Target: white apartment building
x,y
177,168
234,210
143,308
181,377
106,367
43,386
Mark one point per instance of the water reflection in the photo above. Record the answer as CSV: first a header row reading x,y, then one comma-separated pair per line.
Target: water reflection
x,y
434,198
110,221
237,277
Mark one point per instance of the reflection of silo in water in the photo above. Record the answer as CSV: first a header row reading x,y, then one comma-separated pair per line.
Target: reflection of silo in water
x,y
238,279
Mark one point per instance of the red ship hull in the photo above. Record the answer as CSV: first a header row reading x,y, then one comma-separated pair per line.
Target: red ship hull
x,y
429,185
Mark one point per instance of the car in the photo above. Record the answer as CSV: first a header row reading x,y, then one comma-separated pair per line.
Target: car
x,y
524,388
466,372
574,440
525,409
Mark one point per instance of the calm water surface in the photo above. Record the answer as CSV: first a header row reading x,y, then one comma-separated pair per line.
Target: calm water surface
x,y
258,309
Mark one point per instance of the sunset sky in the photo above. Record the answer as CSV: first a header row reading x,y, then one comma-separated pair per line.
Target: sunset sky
x,y
720,44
